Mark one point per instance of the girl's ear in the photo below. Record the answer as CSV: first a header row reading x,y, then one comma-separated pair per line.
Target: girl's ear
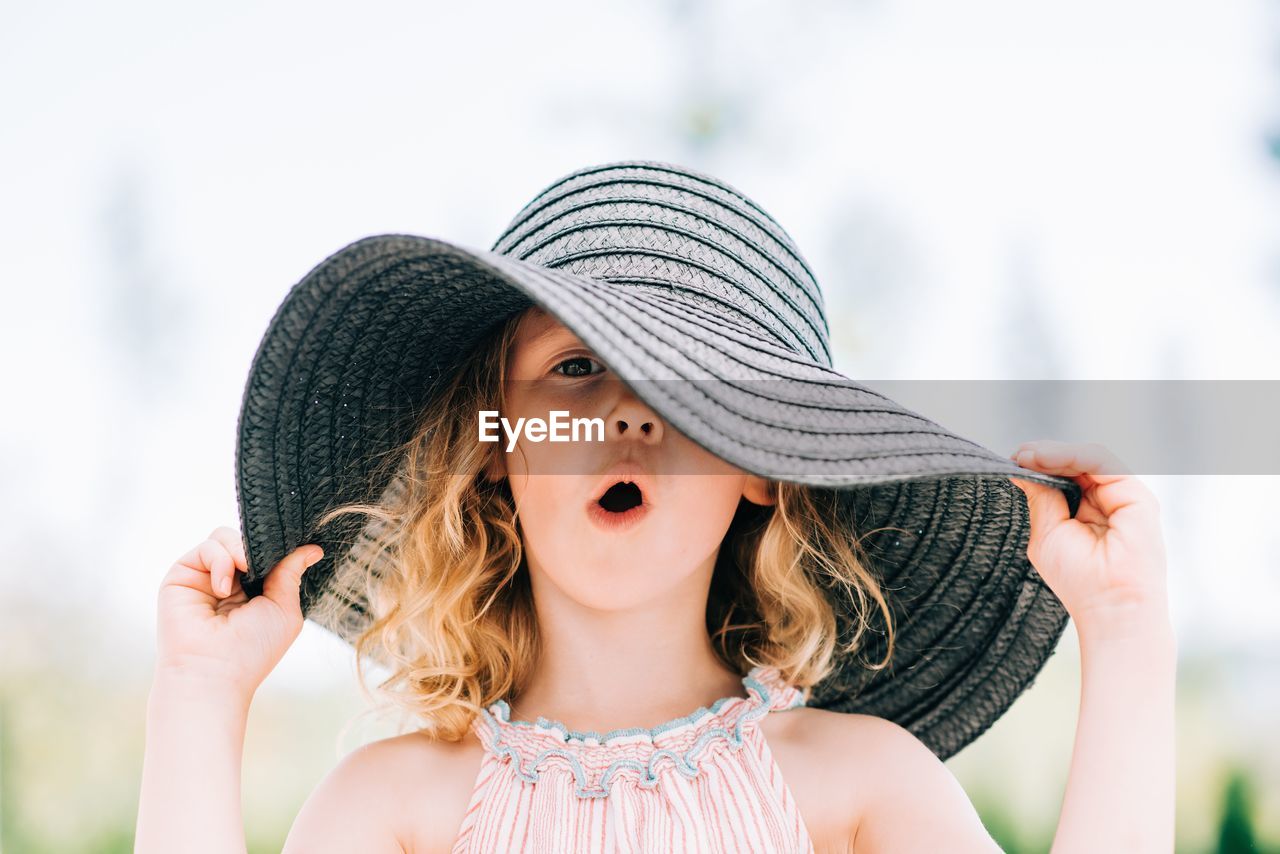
x,y
758,490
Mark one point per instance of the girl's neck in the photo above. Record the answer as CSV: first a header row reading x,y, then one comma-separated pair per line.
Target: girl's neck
x,y
613,668
640,693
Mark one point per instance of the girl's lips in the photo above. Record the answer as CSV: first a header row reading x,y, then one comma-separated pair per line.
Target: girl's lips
x,y
624,472
615,522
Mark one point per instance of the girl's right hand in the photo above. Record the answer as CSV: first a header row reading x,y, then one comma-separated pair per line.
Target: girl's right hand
x,y
208,628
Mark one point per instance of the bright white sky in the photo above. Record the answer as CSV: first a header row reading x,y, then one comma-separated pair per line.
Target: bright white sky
x,y
1102,165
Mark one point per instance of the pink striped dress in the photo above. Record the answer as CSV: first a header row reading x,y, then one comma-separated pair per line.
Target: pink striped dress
x,y
706,782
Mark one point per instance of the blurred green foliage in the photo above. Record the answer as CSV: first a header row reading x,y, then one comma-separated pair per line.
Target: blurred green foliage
x,y
1236,834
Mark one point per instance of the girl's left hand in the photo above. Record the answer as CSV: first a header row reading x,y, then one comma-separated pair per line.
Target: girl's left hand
x,y
1106,565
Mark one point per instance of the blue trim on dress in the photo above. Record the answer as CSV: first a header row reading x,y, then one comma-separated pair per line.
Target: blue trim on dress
x,y
685,763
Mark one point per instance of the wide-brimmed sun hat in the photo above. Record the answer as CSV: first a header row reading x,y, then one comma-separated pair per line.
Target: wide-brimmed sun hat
x,y
692,294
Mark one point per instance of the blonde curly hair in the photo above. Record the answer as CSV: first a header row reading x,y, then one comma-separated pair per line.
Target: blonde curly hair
x,y
449,610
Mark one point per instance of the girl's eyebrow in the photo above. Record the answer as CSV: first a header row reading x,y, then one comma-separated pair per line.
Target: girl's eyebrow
x,y
550,333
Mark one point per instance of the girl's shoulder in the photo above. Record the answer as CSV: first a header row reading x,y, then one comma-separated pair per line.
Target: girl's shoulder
x,y
430,783
393,795
841,766
867,779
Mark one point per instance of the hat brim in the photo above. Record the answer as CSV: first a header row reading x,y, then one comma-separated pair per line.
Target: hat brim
x,y
358,347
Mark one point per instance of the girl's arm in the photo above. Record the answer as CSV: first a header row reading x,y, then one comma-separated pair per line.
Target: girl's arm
x,y
1120,791
214,647
190,796
1107,567
1120,788
190,799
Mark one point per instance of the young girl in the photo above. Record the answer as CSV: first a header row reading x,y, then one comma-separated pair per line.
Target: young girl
x,y
593,673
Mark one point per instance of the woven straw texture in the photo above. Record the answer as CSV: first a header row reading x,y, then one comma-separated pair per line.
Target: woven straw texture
x,y
685,287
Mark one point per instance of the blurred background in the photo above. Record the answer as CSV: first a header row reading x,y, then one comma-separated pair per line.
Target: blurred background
x,y
1104,175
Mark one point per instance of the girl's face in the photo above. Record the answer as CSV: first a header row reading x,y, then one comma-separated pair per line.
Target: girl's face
x,y
609,560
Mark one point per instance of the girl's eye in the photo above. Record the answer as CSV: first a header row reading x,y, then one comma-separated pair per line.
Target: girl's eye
x,y
577,366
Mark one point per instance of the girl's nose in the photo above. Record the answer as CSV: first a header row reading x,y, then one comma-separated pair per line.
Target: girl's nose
x,y
632,419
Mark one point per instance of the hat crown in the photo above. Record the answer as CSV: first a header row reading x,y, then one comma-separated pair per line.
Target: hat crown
x,y
652,225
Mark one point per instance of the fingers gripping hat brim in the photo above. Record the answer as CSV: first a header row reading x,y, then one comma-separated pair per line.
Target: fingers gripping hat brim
x,y
357,350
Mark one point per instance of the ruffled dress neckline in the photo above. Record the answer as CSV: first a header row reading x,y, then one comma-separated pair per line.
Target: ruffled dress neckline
x,y
597,761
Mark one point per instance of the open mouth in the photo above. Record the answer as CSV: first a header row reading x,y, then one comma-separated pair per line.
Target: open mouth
x,y
621,497
621,506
